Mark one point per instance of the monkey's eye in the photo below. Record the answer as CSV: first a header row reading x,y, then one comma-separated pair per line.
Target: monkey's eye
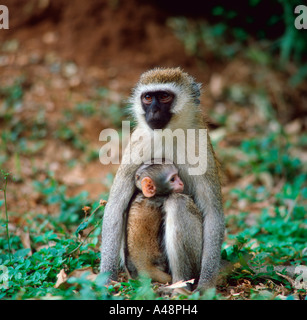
x,y
165,97
147,98
172,179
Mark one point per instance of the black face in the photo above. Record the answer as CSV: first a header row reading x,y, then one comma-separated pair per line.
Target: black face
x,y
157,105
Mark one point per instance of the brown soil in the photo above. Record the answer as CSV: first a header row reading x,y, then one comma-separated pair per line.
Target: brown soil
x,y
121,37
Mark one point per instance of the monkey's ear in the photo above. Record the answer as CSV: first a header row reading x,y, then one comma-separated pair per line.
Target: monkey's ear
x,y
148,187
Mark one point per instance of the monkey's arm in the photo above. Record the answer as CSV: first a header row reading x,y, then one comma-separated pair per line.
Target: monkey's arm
x,y
114,218
183,237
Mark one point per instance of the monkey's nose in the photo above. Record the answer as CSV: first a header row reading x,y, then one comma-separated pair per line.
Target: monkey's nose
x,y
155,114
155,111
180,187
155,108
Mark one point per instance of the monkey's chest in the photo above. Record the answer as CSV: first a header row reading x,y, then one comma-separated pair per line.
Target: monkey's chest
x,y
145,219
144,235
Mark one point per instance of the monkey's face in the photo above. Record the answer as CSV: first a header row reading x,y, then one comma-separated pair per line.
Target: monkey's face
x,y
168,180
164,98
176,183
158,179
157,106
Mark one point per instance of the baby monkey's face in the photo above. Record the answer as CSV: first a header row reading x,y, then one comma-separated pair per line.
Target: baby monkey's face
x,y
175,183
159,180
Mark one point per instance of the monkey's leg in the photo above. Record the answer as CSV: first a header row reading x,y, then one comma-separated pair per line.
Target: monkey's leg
x,y
211,258
183,237
208,200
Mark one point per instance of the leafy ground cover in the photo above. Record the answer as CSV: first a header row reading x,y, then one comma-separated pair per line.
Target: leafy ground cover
x,y
56,255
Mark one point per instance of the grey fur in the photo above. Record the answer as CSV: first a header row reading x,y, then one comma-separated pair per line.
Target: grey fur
x,y
204,190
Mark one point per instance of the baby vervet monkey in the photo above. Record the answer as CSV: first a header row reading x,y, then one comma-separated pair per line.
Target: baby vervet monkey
x,y
146,249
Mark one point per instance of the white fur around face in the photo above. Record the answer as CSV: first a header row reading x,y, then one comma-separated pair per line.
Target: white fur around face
x,y
171,234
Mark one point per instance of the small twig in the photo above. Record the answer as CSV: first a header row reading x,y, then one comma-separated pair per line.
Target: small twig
x,y
81,243
5,177
102,203
291,206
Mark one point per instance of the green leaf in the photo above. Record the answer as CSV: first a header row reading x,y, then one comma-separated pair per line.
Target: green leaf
x,y
21,253
82,226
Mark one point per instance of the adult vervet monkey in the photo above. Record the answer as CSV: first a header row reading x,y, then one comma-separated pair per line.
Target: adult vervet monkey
x,y
167,98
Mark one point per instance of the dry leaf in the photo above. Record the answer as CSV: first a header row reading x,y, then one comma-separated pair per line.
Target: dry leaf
x,y
180,284
293,127
84,233
86,209
25,239
218,134
236,294
290,280
46,246
62,278
79,272
266,179
102,202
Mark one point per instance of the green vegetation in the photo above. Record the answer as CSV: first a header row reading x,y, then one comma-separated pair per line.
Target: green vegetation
x,y
277,237
232,27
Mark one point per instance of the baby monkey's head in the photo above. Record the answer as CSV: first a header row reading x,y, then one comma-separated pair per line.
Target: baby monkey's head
x,y
158,179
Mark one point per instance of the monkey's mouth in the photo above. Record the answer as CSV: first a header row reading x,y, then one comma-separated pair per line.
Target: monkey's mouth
x,y
179,190
157,122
